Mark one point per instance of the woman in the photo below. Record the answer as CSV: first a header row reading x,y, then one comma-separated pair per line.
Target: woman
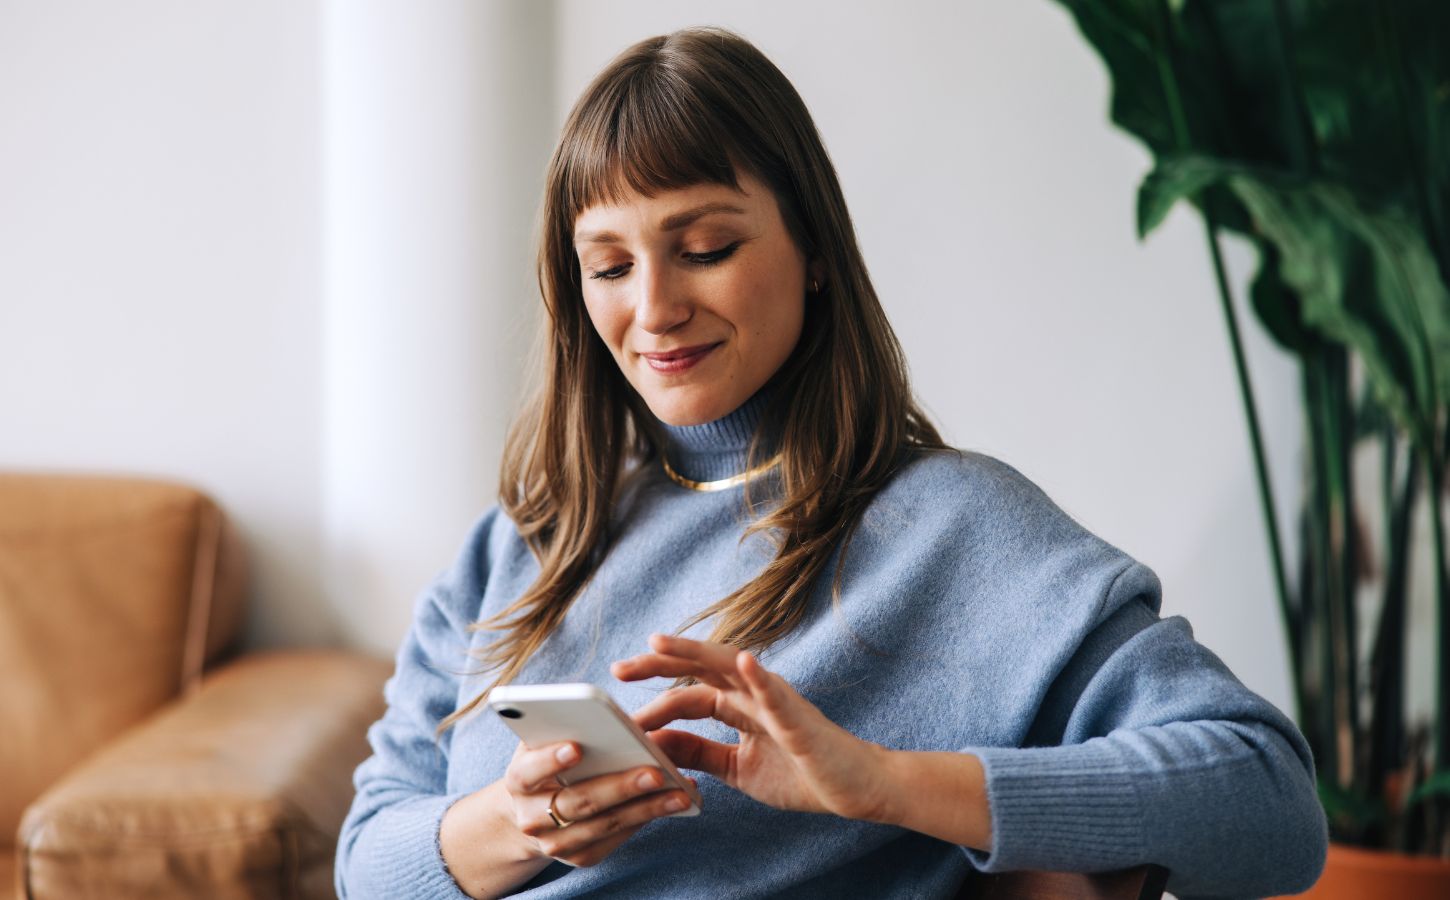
x,y
896,661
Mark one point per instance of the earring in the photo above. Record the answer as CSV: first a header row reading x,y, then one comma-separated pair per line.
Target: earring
x,y
815,288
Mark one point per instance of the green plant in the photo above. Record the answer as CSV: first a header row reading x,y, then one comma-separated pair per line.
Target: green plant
x,y
1319,131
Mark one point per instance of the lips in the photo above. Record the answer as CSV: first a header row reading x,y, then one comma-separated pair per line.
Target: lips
x,y
672,363
678,353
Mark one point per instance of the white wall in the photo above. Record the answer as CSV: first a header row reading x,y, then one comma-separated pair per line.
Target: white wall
x,y
437,130
165,290
159,263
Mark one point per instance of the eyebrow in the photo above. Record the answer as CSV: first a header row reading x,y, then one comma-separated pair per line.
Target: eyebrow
x,y
672,222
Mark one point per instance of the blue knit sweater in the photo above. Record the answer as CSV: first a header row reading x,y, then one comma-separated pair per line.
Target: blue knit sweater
x,y
1000,627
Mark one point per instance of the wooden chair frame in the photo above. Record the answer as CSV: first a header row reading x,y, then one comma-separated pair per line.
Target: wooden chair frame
x,y
1145,882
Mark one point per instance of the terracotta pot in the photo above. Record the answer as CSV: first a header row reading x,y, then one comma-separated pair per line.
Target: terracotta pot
x,y
1354,873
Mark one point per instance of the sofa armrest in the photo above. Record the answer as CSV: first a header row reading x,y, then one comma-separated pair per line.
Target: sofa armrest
x,y
236,791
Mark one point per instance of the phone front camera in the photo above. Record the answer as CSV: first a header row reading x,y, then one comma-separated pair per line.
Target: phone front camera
x,y
508,712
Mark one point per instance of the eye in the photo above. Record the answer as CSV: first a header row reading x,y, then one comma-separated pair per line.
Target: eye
x,y
714,256
609,274
700,259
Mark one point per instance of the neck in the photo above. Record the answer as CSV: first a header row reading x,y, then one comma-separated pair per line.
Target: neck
x,y
716,450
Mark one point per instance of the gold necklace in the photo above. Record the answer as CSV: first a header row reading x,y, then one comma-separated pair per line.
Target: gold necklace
x,y
723,483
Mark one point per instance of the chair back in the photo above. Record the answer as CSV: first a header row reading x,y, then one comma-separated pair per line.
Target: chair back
x,y
115,594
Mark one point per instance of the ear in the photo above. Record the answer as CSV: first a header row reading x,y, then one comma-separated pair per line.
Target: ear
x,y
816,272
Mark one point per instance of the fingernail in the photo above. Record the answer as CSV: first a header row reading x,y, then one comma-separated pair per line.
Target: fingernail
x,y
567,754
674,804
647,780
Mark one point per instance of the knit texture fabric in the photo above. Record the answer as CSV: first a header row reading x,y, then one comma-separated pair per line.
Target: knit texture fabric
x,y
974,615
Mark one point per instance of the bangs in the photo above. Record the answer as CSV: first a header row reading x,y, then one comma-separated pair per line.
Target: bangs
x,y
646,133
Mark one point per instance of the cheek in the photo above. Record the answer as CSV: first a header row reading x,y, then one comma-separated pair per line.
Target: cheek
x,y
787,328
777,310
606,318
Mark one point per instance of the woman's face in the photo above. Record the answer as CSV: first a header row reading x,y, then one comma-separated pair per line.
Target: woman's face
x,y
703,269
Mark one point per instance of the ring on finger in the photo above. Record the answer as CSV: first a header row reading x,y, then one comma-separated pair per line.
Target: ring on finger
x,y
559,821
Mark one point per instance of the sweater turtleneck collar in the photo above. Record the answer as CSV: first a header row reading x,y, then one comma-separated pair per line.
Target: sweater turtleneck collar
x,y
715,450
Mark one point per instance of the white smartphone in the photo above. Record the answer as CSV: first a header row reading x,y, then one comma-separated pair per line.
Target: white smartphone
x,y
609,740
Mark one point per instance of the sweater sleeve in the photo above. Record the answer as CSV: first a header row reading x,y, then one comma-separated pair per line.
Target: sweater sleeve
x,y
1149,750
389,846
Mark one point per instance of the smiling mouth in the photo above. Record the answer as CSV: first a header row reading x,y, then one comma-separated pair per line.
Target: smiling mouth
x,y
680,359
680,352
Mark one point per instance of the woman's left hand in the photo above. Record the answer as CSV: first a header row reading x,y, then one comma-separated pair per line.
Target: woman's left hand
x,y
790,755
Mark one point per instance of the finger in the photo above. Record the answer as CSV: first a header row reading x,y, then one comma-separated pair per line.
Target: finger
x,y
697,701
765,687
788,716
593,796
694,702
655,665
565,843
690,751
709,653
774,694
664,664
533,769
596,852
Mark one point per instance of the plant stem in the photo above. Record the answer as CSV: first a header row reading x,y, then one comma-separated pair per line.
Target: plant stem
x,y
1183,138
1432,456
1442,595
1326,613
1387,746
1261,467
1339,524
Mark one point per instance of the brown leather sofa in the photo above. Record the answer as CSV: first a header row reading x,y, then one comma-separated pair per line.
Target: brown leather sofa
x,y
141,755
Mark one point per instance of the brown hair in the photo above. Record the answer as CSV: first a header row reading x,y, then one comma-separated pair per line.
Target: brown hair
x,y
673,111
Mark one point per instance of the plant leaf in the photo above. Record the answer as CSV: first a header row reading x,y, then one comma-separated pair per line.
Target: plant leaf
x,y
1177,178
1350,810
1277,307
1367,280
1363,277
1437,785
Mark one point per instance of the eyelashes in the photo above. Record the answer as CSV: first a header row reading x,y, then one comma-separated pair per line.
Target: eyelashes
x,y
699,259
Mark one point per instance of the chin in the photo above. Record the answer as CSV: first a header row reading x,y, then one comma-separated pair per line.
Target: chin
x,y
679,409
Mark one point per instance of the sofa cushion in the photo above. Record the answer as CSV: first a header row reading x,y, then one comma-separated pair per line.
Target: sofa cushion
x,y
237,791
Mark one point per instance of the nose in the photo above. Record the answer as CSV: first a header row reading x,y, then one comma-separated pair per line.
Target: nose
x,y
662,303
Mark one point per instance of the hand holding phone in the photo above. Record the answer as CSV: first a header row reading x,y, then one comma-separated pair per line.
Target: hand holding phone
x,y
579,824
608,739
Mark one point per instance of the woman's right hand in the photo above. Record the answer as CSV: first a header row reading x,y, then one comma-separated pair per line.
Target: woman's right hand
x,y
501,836
601,812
